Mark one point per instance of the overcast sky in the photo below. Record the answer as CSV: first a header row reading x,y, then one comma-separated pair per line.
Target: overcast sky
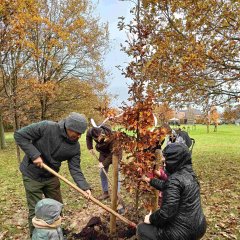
x,y
109,11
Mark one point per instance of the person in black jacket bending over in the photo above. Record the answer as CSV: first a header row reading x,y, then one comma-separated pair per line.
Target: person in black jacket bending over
x,y
180,216
50,143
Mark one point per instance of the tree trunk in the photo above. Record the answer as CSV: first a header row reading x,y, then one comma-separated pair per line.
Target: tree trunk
x,y
2,136
215,127
16,126
137,201
208,122
114,194
158,157
43,107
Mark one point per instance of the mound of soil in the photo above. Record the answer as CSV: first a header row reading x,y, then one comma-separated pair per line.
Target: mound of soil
x,y
97,230
96,227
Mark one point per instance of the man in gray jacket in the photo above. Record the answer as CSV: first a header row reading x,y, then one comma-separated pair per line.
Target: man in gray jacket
x,y
50,143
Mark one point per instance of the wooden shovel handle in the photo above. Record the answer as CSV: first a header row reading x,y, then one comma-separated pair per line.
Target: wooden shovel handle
x,y
132,224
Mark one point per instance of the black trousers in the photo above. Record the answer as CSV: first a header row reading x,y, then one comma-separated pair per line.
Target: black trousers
x,y
150,232
147,232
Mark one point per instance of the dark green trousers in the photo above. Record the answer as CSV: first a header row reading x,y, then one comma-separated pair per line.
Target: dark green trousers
x,y
35,191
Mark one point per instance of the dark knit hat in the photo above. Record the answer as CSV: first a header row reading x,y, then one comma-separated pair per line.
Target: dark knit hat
x,y
76,122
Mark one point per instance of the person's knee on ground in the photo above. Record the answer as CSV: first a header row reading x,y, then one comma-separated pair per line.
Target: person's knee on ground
x,y
139,231
146,232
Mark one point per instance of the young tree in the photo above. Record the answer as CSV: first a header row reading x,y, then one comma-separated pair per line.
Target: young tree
x,y
138,116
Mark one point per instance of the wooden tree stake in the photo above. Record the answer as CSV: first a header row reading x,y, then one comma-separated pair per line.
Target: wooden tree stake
x,y
158,158
114,194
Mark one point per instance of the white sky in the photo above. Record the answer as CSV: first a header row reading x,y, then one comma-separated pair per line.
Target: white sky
x,y
109,11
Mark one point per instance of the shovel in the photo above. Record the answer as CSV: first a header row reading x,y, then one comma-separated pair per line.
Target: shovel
x,y
105,120
121,207
125,220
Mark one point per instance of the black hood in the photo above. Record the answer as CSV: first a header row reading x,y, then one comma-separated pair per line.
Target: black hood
x,y
176,156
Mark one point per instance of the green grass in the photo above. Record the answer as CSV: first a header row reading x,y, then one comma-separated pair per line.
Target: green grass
x,y
216,160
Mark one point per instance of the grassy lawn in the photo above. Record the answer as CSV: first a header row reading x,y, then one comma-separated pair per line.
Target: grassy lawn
x,y
216,160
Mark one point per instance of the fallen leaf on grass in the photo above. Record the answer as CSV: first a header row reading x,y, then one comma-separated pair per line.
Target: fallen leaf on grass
x,y
3,234
228,236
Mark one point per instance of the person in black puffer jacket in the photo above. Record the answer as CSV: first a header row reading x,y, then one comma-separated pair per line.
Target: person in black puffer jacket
x,y
180,216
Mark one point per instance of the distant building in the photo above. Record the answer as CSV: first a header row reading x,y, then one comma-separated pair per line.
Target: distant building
x,y
188,116
237,122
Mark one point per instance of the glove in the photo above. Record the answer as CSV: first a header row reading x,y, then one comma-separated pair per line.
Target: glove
x,y
147,218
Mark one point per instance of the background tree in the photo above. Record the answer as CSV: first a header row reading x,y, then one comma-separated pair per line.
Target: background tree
x,y
15,19
67,43
189,50
193,50
84,97
231,113
2,136
42,45
214,117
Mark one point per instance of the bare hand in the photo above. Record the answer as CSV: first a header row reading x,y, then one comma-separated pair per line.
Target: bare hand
x,y
146,179
100,165
147,218
157,173
88,193
38,162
